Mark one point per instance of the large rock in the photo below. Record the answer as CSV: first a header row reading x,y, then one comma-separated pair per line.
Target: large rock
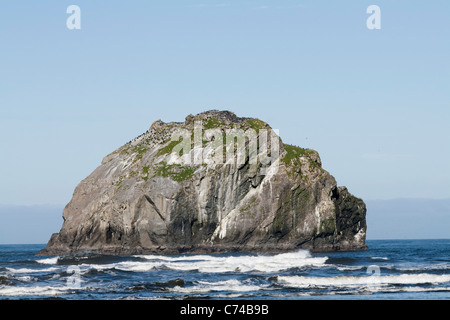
x,y
145,198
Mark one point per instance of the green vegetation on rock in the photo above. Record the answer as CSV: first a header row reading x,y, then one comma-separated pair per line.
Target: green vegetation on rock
x,y
140,149
291,159
213,123
256,124
176,172
145,171
168,148
249,208
327,226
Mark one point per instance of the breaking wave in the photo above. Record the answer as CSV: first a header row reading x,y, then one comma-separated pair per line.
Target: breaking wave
x,y
33,291
28,270
232,285
220,264
344,281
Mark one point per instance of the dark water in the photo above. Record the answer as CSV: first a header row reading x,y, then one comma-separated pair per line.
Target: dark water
x,y
390,269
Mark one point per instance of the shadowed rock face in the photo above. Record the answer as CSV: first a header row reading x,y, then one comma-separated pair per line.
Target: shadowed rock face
x,y
144,199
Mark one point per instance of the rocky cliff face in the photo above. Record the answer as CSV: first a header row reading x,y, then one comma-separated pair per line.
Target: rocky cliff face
x,y
199,186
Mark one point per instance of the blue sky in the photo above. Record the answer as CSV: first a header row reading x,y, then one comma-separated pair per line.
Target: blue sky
x,y
375,104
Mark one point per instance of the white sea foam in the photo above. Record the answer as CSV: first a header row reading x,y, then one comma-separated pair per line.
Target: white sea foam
x,y
217,264
25,278
134,266
347,281
351,268
431,267
232,285
48,260
415,289
27,270
207,263
33,291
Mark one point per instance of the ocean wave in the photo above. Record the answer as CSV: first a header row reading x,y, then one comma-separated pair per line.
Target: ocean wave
x,y
5,280
351,281
428,267
350,268
232,285
88,258
25,278
415,289
127,266
33,291
220,264
158,285
198,263
400,268
28,270
48,260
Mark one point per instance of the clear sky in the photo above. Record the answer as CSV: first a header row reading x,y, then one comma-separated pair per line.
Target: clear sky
x,y
375,104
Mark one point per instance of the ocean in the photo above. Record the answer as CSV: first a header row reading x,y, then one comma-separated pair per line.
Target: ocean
x,y
388,270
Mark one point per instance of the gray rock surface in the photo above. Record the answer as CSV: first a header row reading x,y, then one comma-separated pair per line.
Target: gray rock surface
x,y
144,199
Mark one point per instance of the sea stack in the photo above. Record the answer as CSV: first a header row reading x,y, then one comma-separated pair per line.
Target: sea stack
x,y
213,183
